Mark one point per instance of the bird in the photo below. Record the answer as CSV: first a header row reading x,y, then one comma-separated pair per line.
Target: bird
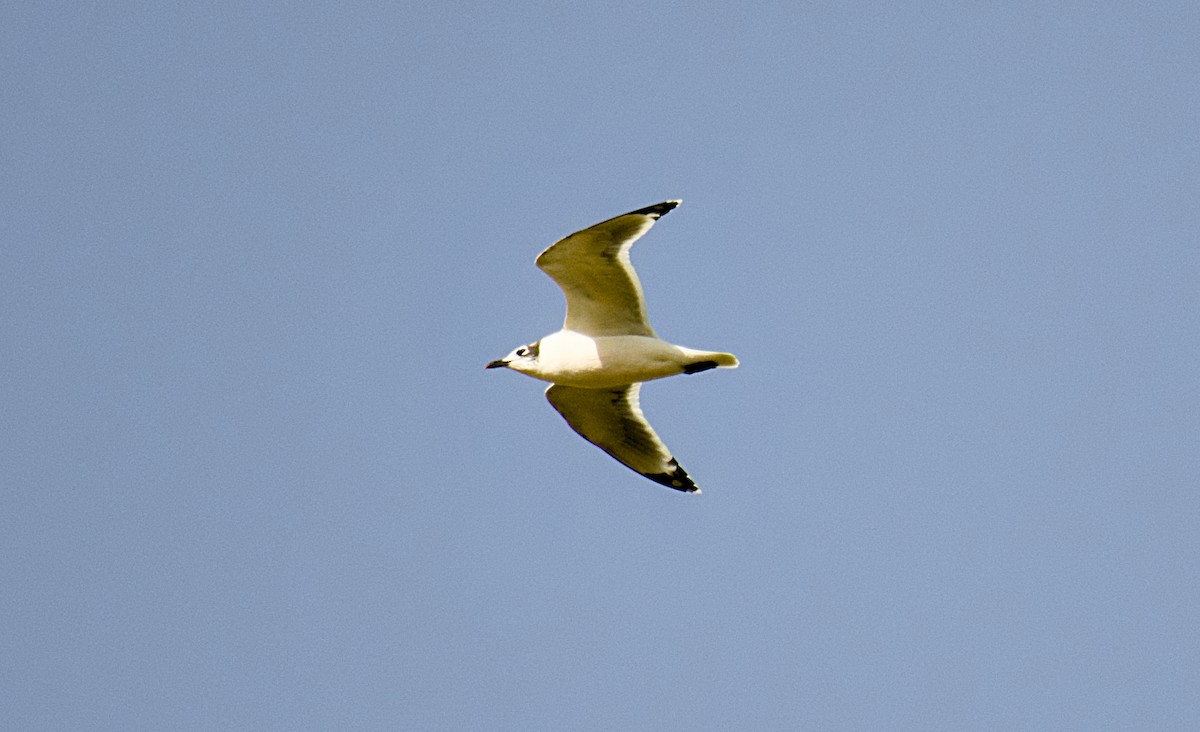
x,y
606,348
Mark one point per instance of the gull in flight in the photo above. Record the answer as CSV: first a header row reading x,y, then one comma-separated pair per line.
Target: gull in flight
x,y
606,348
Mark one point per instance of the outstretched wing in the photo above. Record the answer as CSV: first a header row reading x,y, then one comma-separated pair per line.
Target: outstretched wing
x,y
604,296
612,420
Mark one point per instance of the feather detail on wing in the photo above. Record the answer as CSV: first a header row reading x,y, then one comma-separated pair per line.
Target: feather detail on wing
x,y
612,420
604,296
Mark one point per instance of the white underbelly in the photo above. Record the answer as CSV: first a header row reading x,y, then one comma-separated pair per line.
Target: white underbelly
x,y
574,359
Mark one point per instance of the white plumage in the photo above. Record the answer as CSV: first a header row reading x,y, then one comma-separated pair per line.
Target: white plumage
x,y
607,347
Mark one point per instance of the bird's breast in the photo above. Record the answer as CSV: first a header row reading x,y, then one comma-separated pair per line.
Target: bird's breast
x,y
574,359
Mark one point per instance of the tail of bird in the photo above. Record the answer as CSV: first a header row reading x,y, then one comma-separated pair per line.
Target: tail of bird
x,y
724,360
698,361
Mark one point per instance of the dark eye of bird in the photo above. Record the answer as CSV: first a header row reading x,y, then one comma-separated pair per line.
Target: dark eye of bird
x,y
521,351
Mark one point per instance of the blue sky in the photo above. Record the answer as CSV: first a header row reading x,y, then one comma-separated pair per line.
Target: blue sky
x,y
255,258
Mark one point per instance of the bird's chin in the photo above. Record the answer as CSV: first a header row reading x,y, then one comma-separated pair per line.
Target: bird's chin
x,y
496,364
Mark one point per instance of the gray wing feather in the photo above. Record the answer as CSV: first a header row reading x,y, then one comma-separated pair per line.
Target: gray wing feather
x,y
612,420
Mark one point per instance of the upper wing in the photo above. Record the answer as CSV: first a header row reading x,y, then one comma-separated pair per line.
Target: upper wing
x,y
612,420
604,296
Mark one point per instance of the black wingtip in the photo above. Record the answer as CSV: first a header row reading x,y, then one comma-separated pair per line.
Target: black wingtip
x,y
658,210
677,479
